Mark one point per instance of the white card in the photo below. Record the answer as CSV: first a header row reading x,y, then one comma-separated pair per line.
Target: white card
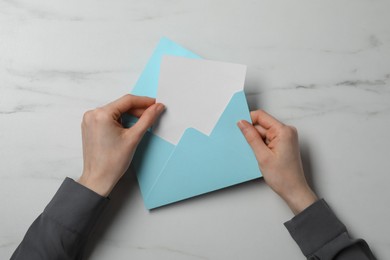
x,y
195,93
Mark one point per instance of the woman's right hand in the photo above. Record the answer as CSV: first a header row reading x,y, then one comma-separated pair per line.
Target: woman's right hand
x,y
276,148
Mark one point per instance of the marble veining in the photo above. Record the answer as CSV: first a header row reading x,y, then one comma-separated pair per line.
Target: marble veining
x,y
29,10
322,66
36,75
157,250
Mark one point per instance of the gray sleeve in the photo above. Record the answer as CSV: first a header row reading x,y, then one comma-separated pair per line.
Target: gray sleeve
x,y
321,235
61,231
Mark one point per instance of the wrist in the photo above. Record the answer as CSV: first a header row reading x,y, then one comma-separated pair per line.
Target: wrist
x,y
101,187
300,199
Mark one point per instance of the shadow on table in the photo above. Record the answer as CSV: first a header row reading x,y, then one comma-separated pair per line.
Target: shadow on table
x,y
122,195
307,164
125,194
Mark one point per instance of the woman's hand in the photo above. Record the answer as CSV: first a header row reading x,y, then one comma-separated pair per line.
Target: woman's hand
x,y
276,148
108,148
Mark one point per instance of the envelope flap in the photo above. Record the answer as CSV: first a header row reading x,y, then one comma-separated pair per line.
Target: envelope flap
x,y
202,163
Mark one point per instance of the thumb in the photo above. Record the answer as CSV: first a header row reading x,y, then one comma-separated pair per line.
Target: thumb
x,y
147,119
253,138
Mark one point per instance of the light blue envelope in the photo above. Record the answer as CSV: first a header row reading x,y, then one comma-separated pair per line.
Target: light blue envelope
x,y
199,163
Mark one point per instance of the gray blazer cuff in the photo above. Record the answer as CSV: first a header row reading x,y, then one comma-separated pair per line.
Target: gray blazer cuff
x,y
316,228
75,207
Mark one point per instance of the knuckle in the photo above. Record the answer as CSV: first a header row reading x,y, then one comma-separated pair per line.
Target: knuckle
x,y
87,116
294,130
290,131
257,113
100,115
130,101
128,95
96,115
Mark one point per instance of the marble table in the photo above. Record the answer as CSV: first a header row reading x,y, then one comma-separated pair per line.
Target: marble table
x,y
323,66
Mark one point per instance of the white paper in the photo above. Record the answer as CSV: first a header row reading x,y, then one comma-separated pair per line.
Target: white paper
x,y
195,93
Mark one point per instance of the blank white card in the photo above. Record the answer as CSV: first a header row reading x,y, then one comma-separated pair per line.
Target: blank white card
x,y
195,93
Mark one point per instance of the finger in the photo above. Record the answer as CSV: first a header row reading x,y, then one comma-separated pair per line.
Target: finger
x,y
262,131
264,119
127,102
146,120
137,112
253,138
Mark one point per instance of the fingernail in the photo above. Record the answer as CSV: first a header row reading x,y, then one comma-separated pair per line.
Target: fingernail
x,y
160,107
242,124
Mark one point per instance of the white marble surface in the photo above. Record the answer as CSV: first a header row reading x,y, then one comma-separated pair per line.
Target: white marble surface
x,y
323,66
